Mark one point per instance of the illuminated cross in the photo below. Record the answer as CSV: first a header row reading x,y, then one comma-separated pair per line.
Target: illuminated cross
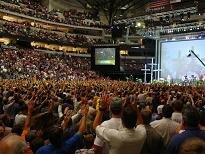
x,y
145,72
152,67
158,70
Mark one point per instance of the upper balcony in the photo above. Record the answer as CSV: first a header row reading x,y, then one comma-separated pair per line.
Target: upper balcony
x,y
70,19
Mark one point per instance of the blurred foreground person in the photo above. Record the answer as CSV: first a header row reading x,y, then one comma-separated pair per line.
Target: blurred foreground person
x,y
191,118
13,144
193,146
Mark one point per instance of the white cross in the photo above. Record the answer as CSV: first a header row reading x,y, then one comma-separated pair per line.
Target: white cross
x,y
152,67
158,70
145,72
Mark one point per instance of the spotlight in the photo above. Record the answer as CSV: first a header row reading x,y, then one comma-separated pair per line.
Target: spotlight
x,y
139,24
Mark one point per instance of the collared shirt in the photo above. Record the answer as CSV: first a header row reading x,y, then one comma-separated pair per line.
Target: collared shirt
x,y
123,141
166,128
178,139
113,123
67,147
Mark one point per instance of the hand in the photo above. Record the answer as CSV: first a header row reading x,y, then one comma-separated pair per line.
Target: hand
x,y
31,104
84,110
67,118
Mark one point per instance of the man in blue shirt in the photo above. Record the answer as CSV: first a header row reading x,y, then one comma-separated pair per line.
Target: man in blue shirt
x,y
191,119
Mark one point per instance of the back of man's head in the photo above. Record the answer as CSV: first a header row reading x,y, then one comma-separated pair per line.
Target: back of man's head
x,y
191,117
167,111
129,117
55,135
146,116
12,144
192,146
116,105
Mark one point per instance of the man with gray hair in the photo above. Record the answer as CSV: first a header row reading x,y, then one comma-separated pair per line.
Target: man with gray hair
x,y
13,144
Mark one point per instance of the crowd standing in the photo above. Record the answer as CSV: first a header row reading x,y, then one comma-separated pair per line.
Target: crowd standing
x,y
54,103
92,115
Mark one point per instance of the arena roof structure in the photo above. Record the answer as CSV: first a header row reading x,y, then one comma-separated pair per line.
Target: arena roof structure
x,y
113,8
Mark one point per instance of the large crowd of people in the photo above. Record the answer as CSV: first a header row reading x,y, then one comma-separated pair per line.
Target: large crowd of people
x,y
134,65
66,38
27,63
34,9
53,103
100,116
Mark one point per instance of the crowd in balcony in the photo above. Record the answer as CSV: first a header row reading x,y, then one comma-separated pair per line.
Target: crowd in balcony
x,y
34,9
43,35
27,63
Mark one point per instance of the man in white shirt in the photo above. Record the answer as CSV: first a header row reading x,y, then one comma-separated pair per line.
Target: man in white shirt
x,y
114,123
165,127
128,140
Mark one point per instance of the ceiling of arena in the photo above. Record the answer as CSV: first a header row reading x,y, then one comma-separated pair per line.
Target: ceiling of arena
x,y
111,8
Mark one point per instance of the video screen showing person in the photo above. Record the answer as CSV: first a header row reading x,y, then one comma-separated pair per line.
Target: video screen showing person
x,y
105,56
177,62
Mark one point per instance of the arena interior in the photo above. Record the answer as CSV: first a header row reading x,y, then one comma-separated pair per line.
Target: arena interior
x,y
102,77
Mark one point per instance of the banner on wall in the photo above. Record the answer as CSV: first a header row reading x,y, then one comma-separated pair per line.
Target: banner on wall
x,y
175,1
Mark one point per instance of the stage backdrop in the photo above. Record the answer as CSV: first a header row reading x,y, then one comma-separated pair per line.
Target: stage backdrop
x,y
175,61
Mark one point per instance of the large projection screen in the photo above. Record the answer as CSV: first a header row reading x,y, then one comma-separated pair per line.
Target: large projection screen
x,y
176,63
105,56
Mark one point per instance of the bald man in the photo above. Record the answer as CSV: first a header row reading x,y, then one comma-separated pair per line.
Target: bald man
x,y
13,144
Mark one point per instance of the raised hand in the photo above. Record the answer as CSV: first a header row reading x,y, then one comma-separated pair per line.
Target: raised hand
x,y
84,109
31,103
104,102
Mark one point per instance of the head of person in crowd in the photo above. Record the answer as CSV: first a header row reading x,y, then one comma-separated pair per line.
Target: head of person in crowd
x,y
55,135
192,146
13,144
177,106
159,112
36,143
129,117
167,111
146,116
116,106
191,117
